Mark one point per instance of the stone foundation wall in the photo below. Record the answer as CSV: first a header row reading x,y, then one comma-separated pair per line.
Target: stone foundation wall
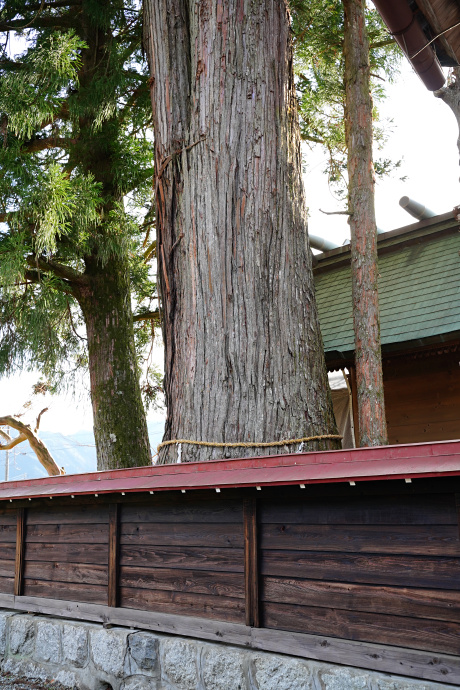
x,y
88,656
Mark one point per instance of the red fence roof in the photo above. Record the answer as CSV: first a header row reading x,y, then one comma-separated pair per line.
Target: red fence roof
x,y
354,465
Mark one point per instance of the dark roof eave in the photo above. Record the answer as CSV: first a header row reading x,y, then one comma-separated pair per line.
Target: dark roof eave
x,y
391,240
336,359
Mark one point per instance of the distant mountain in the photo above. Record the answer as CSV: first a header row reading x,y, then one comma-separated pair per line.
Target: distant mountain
x,y
76,453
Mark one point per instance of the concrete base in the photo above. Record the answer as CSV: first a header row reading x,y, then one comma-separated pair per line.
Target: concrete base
x,y
87,656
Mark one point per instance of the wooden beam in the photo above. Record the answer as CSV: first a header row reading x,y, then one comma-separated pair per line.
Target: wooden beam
x,y
442,668
114,560
457,501
20,544
251,571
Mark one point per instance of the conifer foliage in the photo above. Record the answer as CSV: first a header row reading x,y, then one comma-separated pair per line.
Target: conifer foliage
x,y
75,170
318,27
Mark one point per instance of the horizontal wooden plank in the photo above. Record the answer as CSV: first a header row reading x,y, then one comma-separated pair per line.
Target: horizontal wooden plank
x,y
213,583
428,635
185,557
437,509
418,603
70,515
8,551
221,535
66,572
216,608
67,553
224,511
7,516
68,534
6,568
407,662
7,585
8,533
438,540
65,590
442,668
405,571
435,431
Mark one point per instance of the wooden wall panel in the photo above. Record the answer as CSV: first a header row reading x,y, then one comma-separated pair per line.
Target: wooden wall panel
x,y
185,557
66,553
381,569
422,398
8,527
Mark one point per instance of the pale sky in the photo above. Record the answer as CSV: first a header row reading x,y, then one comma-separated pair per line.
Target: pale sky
x,y
425,135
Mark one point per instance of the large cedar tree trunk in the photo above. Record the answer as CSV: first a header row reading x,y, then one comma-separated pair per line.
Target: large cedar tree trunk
x,y
244,358
366,318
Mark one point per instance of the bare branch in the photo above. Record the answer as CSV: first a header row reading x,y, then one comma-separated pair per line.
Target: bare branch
x,y
57,269
36,145
5,436
37,423
25,433
336,213
147,316
150,251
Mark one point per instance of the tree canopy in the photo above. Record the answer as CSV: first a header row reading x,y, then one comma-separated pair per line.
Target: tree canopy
x,y
318,27
76,166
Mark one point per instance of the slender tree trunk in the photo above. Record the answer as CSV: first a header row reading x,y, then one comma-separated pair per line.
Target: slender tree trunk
x,y
358,128
244,358
120,428
450,94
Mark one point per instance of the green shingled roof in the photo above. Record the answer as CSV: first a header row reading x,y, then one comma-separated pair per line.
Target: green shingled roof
x,y
419,293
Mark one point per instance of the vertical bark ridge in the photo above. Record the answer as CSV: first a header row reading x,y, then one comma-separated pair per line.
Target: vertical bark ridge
x,y
244,358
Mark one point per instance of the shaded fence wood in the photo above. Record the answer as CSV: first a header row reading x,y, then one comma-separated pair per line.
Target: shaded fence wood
x,y
378,565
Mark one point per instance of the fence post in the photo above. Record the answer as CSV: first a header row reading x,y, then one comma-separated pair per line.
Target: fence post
x,y
114,541
21,516
251,573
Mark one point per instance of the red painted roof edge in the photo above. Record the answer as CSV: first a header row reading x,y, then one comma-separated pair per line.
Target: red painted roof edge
x,y
359,464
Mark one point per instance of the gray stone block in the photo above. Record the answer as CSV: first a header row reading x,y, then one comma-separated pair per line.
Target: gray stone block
x,y
144,649
48,642
224,669
4,618
75,645
22,635
68,679
108,649
139,683
345,679
179,663
279,673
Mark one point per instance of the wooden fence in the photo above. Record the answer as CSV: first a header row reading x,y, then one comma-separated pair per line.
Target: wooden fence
x,y
367,575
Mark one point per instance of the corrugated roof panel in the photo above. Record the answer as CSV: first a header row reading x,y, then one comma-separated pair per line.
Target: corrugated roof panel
x,y
419,291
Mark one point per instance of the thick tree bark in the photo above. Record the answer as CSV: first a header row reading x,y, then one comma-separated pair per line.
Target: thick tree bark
x,y
120,428
244,358
358,128
450,94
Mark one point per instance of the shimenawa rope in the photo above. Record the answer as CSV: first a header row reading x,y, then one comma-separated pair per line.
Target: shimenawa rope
x,y
244,444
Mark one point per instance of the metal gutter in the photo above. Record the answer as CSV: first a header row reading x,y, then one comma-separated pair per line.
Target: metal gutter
x,y
418,460
407,32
